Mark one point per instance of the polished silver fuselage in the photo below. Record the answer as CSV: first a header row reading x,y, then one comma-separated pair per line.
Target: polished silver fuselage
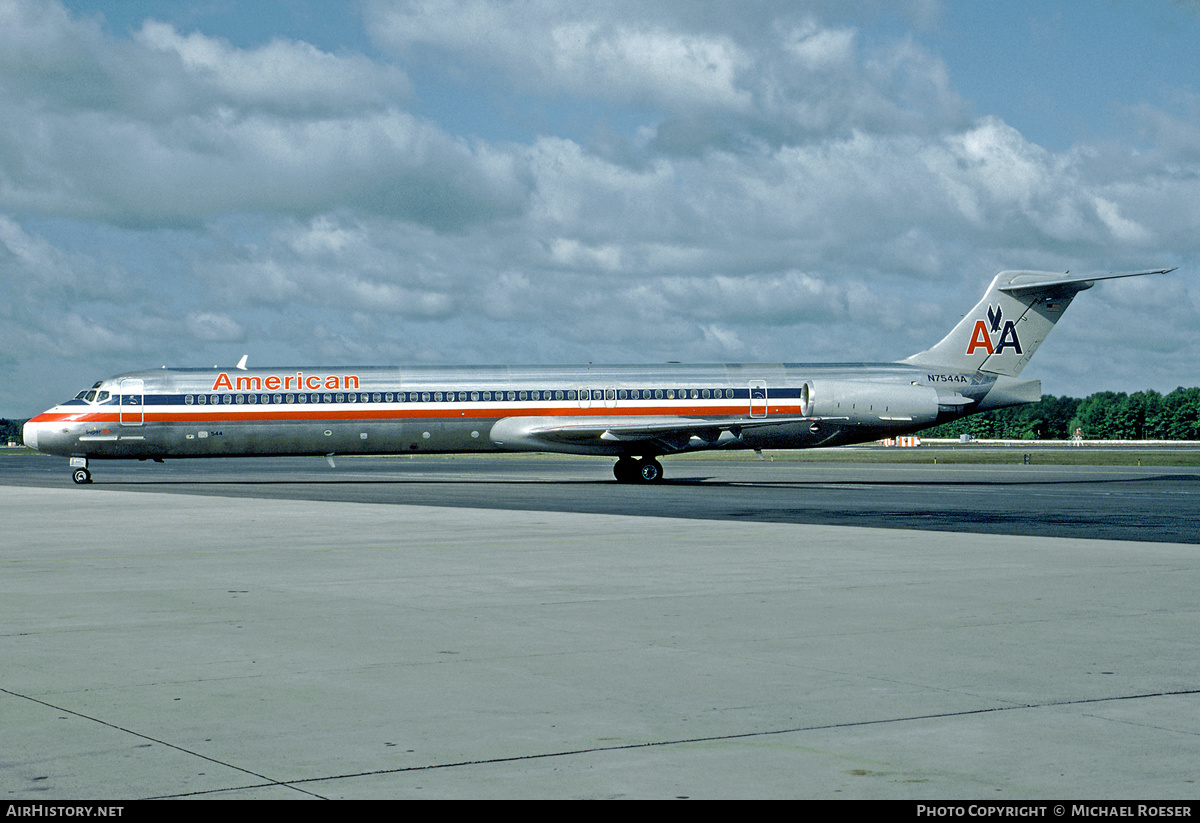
x,y
607,410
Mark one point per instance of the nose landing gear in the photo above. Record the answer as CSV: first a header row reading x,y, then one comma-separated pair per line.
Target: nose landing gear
x,y
79,471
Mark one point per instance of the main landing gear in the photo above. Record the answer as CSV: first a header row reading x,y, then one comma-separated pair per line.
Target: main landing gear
x,y
645,470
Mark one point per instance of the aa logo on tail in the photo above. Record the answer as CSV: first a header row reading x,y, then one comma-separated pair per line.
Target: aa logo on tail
x,y
982,337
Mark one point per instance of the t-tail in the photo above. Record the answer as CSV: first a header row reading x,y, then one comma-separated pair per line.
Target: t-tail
x,y
1017,312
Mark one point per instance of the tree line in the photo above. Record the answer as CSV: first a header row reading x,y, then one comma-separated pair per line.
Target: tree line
x,y
10,430
1143,415
1106,415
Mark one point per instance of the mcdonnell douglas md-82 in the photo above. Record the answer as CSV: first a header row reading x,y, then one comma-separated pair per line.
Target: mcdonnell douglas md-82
x,y
633,413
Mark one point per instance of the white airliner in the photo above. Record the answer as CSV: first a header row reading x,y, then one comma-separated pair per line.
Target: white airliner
x,y
633,413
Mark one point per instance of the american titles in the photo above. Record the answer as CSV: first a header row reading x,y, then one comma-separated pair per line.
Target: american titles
x,y
274,382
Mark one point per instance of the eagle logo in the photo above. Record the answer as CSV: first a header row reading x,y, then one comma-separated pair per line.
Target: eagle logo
x,y
995,316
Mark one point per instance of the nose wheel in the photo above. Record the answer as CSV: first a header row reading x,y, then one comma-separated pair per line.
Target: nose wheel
x,y
645,470
79,471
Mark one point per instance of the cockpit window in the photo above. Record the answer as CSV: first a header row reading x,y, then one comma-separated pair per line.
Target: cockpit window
x,y
90,395
93,396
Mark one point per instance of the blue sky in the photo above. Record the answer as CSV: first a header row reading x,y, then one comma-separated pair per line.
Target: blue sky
x,y
457,181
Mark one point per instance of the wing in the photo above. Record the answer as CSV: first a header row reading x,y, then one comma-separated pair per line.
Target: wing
x,y
663,435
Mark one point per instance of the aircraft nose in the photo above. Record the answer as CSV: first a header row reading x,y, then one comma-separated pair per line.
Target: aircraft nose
x,y
29,433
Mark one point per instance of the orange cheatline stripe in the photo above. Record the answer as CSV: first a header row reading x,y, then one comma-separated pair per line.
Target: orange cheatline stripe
x,y
317,413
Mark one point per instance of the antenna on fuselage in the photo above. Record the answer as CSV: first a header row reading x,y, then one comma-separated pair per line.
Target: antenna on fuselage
x,y
242,363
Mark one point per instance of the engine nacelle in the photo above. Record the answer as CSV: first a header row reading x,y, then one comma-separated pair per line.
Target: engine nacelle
x,y
867,403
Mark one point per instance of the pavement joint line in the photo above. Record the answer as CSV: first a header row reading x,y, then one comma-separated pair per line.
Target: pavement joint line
x,y
296,784
142,736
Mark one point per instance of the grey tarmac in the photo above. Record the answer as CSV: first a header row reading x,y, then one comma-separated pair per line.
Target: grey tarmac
x,y
241,636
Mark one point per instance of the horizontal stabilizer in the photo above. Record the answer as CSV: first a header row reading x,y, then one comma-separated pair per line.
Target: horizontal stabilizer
x,y
1068,284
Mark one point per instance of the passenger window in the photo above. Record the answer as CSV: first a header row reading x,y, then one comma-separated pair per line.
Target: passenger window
x,y
188,400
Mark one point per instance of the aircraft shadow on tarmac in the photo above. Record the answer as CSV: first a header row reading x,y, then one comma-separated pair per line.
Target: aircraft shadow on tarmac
x,y
706,482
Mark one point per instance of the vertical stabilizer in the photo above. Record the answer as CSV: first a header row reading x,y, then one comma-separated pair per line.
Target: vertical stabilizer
x,y
1017,312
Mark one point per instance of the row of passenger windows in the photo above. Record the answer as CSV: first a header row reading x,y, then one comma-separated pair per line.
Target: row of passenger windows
x,y
596,395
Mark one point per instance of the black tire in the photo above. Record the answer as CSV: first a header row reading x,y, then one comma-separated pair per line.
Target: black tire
x,y
81,476
626,470
649,470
